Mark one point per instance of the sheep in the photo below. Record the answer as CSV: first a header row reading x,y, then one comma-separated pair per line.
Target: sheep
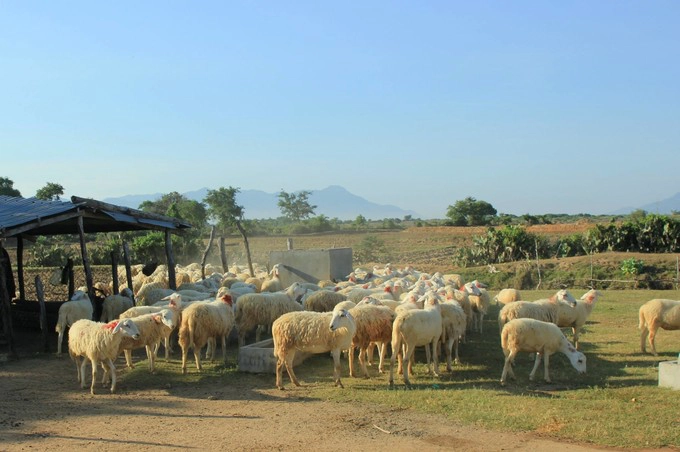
x,y
152,328
79,307
542,338
323,300
373,325
506,296
98,343
174,303
201,324
263,308
576,317
454,323
115,305
273,284
544,309
413,328
480,306
311,332
655,314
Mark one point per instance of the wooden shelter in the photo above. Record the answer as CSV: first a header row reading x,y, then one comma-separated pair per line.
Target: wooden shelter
x,y
24,218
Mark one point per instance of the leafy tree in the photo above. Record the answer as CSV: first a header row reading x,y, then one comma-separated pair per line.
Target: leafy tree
x,y
222,207
360,222
296,207
7,187
371,249
50,192
470,212
179,206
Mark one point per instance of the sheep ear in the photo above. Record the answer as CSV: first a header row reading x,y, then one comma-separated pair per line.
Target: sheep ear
x,y
117,327
157,318
589,298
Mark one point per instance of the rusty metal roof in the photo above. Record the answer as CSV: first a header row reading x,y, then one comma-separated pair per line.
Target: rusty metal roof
x,y
33,216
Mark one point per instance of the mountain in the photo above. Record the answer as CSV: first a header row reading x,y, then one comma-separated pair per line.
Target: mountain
x,y
663,207
333,201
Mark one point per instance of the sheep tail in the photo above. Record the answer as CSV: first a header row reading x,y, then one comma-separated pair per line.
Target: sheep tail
x,y
642,323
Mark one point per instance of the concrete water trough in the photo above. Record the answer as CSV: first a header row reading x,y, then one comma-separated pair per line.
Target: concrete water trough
x,y
669,374
259,357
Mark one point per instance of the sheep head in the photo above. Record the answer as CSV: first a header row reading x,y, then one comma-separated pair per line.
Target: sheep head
x,y
340,319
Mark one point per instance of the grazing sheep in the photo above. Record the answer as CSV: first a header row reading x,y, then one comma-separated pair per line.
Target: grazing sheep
x,y
542,338
656,314
152,329
79,307
544,309
311,332
114,305
413,328
480,306
201,324
98,343
506,296
323,300
263,308
373,325
576,317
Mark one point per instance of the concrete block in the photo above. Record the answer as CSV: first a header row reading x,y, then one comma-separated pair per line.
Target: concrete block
x,y
312,265
259,358
669,374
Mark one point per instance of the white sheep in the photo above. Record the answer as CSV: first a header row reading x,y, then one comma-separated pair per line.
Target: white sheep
x,y
152,329
311,332
506,296
413,328
454,323
98,343
173,302
79,307
480,306
323,300
373,326
542,338
114,305
273,284
655,314
546,309
575,317
201,324
263,308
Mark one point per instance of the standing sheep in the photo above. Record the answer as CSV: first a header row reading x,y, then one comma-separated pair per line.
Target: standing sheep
x,y
311,332
201,324
546,310
454,323
273,284
373,325
657,314
506,296
323,300
576,317
114,305
152,329
542,338
98,343
79,307
263,308
413,328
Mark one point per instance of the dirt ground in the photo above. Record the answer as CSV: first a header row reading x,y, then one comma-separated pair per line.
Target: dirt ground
x,y
43,408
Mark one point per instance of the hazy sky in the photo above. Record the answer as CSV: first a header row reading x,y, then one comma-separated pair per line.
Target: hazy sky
x,y
534,106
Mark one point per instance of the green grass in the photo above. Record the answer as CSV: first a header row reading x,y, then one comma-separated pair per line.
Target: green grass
x,y
616,403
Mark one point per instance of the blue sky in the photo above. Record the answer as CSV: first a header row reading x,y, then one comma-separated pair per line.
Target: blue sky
x,y
534,106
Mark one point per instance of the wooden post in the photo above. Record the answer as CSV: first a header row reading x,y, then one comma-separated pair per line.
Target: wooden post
x,y
71,278
223,256
114,271
289,243
538,265
207,250
172,280
40,292
86,266
6,311
20,268
128,267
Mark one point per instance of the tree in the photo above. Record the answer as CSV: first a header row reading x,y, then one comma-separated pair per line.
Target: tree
x,y
50,192
222,207
179,206
470,212
360,222
296,207
7,187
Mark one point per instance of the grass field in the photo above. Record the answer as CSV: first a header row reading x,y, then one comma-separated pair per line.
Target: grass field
x,y
616,403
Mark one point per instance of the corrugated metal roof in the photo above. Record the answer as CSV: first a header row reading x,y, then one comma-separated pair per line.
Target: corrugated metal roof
x,y
37,217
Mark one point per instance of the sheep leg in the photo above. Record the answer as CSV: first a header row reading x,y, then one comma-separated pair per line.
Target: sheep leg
x,y
82,372
280,362
408,353
537,362
457,358
652,338
481,322
350,359
76,359
197,358
288,360
429,358
94,376
128,358
362,360
151,357
643,339
449,352
383,353
435,357
507,367
185,352
113,376
337,366
224,349
60,339
546,372
369,353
